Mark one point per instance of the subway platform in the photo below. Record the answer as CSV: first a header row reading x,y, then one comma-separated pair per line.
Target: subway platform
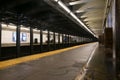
x,y
83,62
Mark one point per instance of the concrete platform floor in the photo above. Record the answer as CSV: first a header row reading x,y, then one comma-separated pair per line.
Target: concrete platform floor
x,y
96,69
62,66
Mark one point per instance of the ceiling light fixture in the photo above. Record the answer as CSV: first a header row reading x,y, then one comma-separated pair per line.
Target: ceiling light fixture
x,y
75,2
79,11
56,0
63,6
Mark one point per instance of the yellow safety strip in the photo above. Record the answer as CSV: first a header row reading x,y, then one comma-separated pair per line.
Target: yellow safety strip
x,y
12,62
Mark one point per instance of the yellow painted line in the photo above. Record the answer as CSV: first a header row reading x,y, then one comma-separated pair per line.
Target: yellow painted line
x,y
8,63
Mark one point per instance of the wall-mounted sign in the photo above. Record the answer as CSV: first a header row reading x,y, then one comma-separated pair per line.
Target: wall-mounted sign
x,y
23,37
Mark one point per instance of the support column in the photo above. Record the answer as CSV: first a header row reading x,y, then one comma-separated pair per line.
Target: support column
x,y
41,40
82,39
18,40
48,43
58,40
68,40
108,38
65,40
54,40
67,36
31,40
0,40
62,40
116,38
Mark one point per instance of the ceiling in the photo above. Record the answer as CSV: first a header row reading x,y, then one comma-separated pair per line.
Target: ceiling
x,y
91,12
41,15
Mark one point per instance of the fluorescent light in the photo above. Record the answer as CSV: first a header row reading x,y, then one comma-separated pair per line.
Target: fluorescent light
x,y
4,25
24,28
56,0
79,11
64,7
36,30
75,2
78,2
11,26
21,25
73,15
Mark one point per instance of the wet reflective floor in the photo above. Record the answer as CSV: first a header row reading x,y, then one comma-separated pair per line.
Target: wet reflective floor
x,y
62,66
